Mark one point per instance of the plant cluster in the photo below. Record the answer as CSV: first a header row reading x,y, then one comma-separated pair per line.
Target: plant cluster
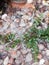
x,y
32,37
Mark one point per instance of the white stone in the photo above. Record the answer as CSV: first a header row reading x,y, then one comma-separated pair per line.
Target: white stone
x,y
28,57
45,3
4,16
29,1
30,24
41,62
6,60
47,52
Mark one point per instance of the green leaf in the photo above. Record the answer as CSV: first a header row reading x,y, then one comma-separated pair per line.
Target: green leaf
x,y
15,42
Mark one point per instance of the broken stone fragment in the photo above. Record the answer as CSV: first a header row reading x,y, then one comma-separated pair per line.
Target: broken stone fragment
x,y
6,60
28,57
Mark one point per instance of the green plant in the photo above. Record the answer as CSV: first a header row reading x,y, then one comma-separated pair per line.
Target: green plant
x,y
33,35
15,42
9,39
30,38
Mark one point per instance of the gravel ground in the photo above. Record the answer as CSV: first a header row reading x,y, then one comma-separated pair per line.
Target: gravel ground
x,y
18,22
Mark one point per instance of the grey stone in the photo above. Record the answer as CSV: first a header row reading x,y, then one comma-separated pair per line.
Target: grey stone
x,y
28,57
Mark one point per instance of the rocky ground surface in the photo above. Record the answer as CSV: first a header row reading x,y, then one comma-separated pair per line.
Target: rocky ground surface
x,y
18,22
21,55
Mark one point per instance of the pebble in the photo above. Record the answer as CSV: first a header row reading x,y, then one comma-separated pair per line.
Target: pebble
x,y
39,56
26,17
9,64
18,53
4,16
19,59
1,61
48,45
13,27
21,13
12,17
47,52
5,25
6,60
29,1
28,57
41,62
24,51
13,53
1,47
45,3
43,52
17,20
11,60
29,50
22,23
3,55
36,63
44,25
30,24
18,62
41,46
46,62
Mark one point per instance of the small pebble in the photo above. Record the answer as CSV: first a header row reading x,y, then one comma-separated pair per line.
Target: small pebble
x,y
41,46
4,16
41,62
6,60
28,57
39,56
47,52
